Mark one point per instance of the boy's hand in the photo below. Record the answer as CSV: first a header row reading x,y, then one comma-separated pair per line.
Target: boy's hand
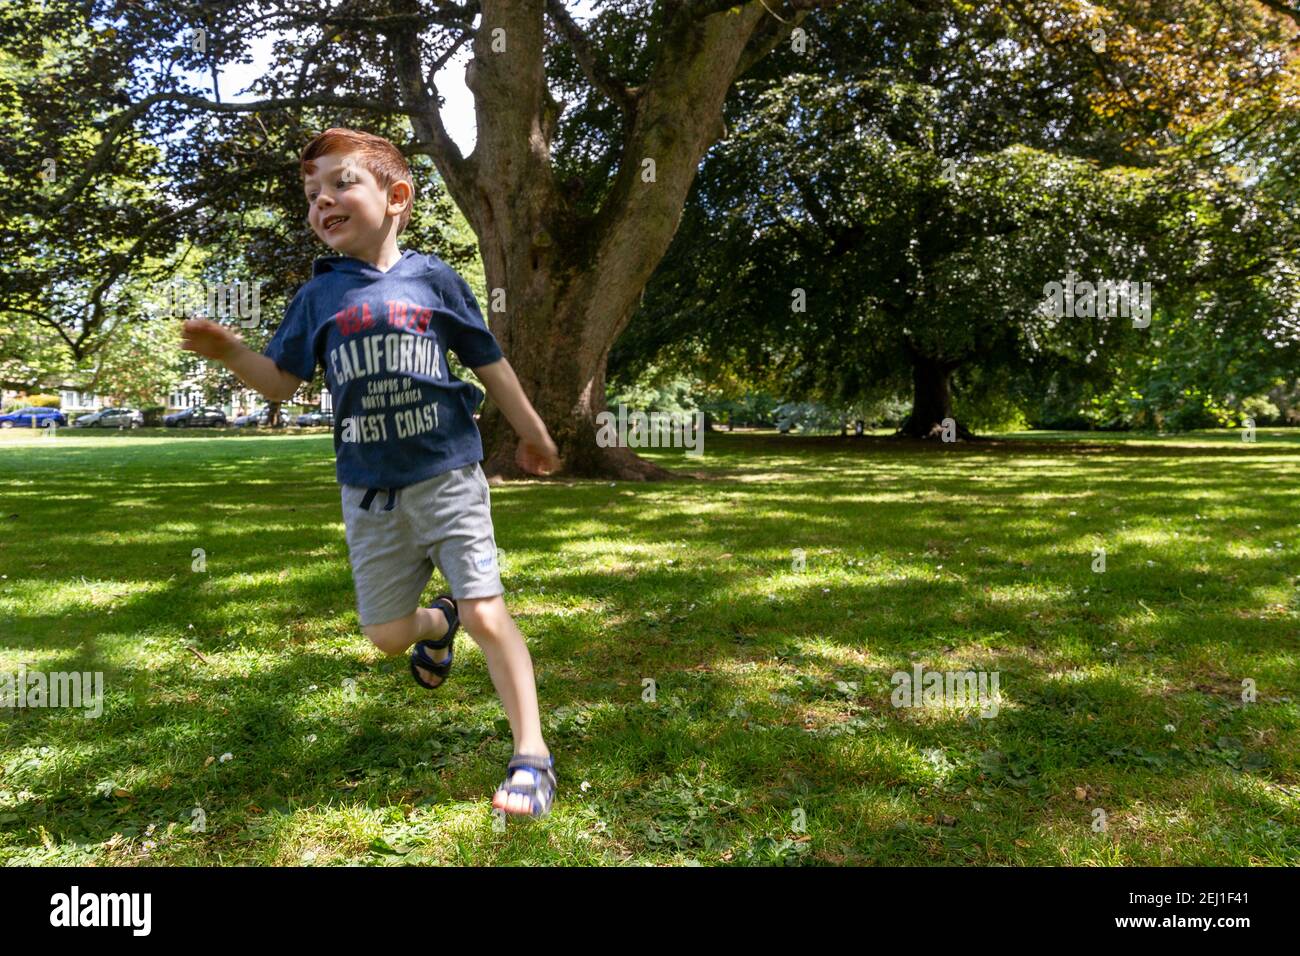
x,y
209,339
538,457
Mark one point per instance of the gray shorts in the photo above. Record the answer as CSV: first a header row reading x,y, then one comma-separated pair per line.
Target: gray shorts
x,y
395,543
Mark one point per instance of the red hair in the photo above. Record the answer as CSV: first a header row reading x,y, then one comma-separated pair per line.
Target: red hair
x,y
376,155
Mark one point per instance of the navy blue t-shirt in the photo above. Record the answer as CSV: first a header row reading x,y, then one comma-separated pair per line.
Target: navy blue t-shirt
x,y
400,415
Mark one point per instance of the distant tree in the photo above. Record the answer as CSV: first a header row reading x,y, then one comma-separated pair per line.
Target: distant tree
x,y
889,218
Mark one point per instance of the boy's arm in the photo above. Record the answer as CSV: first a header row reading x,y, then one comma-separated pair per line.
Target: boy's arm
x,y
502,385
257,371
221,344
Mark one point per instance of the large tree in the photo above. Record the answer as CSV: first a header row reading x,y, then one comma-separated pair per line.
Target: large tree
x,y
889,218
572,213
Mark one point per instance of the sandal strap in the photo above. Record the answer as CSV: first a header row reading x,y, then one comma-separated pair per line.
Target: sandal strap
x,y
453,621
421,654
531,762
540,792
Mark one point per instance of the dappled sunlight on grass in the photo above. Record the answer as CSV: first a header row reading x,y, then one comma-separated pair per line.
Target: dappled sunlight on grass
x,y
773,683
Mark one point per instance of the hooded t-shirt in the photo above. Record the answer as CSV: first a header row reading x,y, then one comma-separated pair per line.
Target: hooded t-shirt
x,y
400,415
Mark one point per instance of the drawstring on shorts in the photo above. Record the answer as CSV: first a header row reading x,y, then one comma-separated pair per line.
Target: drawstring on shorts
x,y
370,497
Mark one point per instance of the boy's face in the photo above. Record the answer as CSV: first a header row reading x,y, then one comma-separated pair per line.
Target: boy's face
x,y
347,208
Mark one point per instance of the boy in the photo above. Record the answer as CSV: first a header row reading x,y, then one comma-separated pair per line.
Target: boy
x,y
380,321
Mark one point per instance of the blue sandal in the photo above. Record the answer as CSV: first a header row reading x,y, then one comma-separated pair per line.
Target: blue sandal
x,y
541,791
420,652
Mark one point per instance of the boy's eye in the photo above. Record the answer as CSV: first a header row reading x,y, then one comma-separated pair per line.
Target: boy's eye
x,y
342,182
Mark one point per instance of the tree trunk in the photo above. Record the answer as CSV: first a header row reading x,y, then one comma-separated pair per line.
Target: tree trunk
x,y
931,400
551,386
563,283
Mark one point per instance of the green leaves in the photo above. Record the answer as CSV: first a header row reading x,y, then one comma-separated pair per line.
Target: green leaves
x,y
382,846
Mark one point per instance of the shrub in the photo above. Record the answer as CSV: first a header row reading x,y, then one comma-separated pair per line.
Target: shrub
x,y
989,412
750,410
809,417
26,401
1261,410
653,391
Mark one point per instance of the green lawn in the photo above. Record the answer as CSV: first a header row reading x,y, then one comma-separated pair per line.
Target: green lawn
x,y
772,738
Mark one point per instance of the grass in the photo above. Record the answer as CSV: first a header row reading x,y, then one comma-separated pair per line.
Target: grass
x,y
770,739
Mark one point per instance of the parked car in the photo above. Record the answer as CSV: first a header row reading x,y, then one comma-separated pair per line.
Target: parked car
x,y
22,417
258,419
111,418
308,419
202,416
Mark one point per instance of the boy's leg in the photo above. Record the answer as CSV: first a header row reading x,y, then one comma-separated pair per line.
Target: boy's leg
x,y
511,669
390,570
455,512
394,637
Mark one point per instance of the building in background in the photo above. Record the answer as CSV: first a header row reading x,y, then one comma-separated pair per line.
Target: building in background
x,y
187,394
71,398
245,401
75,401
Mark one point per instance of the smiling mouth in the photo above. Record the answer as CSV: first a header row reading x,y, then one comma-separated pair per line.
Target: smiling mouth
x,y
332,221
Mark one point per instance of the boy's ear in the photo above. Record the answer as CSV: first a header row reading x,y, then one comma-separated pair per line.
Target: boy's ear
x,y
400,194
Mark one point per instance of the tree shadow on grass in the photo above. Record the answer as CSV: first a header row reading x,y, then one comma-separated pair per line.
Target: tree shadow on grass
x,y
165,718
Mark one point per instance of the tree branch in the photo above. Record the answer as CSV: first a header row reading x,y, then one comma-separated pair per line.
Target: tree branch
x,y
118,124
457,172
1286,9
774,31
698,9
309,57
597,70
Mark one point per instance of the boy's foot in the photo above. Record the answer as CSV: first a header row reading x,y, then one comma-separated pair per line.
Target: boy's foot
x,y
522,803
440,626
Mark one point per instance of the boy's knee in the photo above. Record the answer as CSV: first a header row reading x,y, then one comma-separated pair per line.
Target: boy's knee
x,y
480,616
379,639
388,636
